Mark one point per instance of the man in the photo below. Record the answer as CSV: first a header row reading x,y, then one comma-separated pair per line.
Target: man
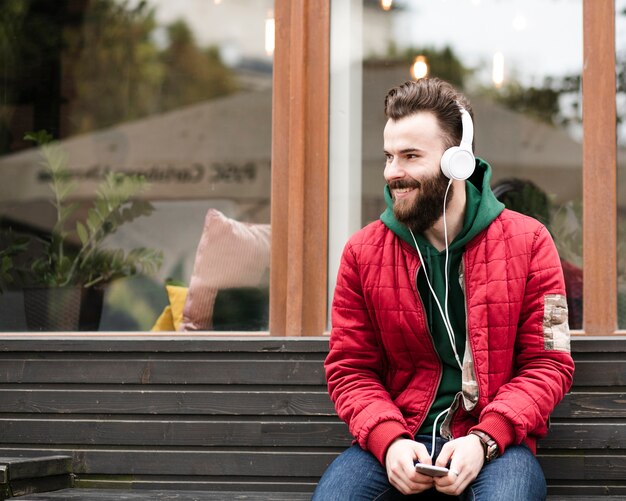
x,y
449,321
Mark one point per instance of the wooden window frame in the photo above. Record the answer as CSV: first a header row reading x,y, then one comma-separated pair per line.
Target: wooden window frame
x,y
300,169
298,270
599,169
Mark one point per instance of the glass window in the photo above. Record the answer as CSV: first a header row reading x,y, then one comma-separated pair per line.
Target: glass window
x,y
134,154
522,80
620,54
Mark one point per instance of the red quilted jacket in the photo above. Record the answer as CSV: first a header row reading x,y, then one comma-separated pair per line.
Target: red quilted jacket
x,y
382,368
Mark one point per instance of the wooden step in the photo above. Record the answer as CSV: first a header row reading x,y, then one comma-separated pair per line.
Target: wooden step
x,y
20,475
163,495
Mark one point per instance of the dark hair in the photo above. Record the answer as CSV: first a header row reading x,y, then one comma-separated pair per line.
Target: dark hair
x,y
434,95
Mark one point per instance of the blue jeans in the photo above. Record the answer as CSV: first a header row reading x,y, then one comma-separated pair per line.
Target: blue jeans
x,y
356,475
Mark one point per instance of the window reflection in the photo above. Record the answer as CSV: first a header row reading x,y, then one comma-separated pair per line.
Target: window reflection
x,y
524,84
174,95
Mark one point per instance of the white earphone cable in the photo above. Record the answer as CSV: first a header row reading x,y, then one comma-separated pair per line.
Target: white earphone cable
x,y
444,314
432,448
446,279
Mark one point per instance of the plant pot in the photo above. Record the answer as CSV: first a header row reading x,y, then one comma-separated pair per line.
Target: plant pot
x,y
63,308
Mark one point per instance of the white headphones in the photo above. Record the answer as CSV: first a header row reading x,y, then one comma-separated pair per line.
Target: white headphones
x,y
458,162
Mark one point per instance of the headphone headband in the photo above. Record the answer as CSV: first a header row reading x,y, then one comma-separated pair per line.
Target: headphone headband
x,y
468,129
458,162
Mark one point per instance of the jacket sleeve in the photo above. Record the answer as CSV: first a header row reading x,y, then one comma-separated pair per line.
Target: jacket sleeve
x,y
355,364
544,368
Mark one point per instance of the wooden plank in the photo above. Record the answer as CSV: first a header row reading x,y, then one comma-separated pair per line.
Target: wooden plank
x,y
244,462
281,101
598,344
584,497
86,494
296,159
29,467
137,371
585,436
205,357
581,465
309,433
316,128
199,483
580,404
154,495
160,343
586,490
203,343
612,373
124,370
40,484
178,401
599,168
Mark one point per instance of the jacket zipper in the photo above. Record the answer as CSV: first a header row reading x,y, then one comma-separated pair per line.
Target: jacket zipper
x,y
421,302
451,414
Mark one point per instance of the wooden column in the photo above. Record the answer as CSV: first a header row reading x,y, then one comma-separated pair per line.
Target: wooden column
x,y
599,169
300,168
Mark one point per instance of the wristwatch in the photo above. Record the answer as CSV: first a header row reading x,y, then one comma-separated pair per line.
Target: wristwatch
x,y
490,447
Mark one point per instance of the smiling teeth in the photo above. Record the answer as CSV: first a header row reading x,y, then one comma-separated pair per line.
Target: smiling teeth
x,y
403,190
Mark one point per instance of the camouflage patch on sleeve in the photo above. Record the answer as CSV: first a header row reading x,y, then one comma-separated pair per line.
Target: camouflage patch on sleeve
x,y
555,325
468,380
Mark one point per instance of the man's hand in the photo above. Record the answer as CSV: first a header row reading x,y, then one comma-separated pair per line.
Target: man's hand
x,y
466,457
400,464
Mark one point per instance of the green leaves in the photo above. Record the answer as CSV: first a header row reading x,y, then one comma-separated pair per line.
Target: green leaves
x,y
82,233
40,137
12,246
113,207
61,263
113,264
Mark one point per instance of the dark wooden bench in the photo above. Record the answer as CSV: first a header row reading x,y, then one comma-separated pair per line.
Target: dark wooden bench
x,y
203,418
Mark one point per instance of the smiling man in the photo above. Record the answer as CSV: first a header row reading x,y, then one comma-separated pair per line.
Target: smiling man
x,y
449,342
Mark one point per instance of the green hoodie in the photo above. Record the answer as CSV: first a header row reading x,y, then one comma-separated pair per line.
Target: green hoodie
x,y
481,209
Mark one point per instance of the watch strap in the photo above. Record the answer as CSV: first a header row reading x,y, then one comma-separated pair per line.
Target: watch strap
x,y
490,446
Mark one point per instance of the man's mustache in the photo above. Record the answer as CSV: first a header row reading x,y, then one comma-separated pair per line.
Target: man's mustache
x,y
404,183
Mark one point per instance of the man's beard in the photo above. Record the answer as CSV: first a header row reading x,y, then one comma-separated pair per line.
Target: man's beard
x,y
427,207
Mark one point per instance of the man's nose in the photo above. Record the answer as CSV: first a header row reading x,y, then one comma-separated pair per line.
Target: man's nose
x,y
393,169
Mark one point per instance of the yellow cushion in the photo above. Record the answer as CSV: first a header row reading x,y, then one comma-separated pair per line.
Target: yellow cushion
x,y
165,322
172,316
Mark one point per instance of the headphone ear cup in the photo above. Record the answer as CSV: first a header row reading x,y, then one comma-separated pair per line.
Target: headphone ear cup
x,y
457,163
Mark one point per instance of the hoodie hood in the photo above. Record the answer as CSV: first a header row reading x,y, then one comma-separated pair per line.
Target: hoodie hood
x,y
482,208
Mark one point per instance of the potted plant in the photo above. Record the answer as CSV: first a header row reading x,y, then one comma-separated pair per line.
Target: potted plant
x,y
64,285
